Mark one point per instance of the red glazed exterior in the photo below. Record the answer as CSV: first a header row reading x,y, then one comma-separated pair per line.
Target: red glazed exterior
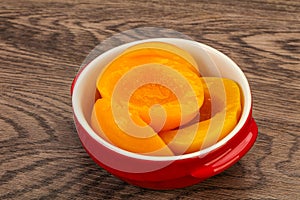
x,y
180,173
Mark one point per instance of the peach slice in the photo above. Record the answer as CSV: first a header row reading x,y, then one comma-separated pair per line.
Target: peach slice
x,y
160,107
167,47
137,55
138,139
158,72
222,105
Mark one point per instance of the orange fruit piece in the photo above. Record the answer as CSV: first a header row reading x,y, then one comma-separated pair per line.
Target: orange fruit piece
x,y
170,48
137,138
218,116
155,69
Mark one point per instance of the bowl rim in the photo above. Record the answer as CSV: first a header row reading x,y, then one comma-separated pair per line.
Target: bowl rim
x,y
201,153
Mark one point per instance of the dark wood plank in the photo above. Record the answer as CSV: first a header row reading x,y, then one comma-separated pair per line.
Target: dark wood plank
x,y
43,44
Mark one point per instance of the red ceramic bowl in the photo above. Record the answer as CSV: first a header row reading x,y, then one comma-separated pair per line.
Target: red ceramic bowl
x,y
165,172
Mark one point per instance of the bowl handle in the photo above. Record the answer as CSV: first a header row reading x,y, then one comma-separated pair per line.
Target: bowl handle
x,y
230,157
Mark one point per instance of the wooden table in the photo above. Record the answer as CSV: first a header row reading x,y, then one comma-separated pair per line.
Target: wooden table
x,y
43,44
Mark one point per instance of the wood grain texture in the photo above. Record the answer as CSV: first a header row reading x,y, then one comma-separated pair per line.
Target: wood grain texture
x,y
43,43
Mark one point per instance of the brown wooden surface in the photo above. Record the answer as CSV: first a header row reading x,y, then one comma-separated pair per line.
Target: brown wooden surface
x,y
43,43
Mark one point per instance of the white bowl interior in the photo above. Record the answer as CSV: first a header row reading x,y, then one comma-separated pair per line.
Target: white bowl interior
x,y
83,96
